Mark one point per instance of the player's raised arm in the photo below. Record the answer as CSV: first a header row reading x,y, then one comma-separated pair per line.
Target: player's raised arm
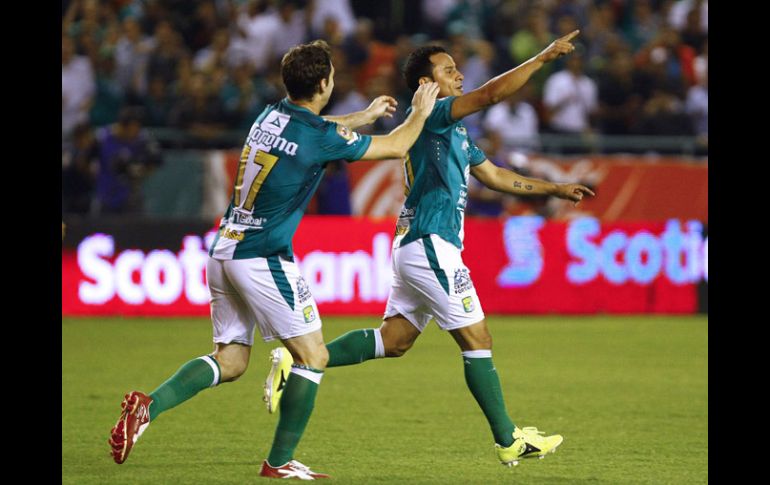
x,y
381,106
504,85
396,143
502,180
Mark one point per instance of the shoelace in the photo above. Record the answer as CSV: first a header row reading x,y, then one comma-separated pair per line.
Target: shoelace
x,y
299,465
532,430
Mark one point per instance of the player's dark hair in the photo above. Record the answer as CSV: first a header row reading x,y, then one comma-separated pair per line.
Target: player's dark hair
x,y
418,65
303,67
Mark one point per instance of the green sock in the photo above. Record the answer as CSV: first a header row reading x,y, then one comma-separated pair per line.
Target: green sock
x,y
296,406
481,377
191,378
355,347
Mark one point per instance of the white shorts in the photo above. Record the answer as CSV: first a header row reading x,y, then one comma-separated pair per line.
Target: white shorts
x,y
430,280
264,292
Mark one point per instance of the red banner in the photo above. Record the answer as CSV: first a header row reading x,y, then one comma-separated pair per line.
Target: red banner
x,y
518,265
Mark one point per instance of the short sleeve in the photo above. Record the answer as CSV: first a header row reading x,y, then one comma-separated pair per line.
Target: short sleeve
x,y
340,142
477,155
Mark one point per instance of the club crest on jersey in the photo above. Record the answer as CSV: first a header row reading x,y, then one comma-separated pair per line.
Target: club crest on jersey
x,y
303,290
461,130
347,133
309,313
463,281
468,304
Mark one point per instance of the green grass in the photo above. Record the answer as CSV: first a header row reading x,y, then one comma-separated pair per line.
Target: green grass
x,y
629,394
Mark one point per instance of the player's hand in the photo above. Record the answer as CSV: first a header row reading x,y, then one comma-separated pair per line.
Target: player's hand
x,y
573,192
560,47
382,106
425,98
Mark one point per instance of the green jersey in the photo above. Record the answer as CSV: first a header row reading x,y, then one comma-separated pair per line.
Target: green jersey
x,y
436,171
281,165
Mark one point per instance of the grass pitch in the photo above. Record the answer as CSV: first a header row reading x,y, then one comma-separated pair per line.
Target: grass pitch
x,y
629,395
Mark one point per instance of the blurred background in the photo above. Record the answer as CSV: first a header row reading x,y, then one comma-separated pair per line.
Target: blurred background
x,y
157,97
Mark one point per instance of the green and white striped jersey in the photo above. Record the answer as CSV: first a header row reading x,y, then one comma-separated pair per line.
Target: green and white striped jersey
x,y
281,165
436,172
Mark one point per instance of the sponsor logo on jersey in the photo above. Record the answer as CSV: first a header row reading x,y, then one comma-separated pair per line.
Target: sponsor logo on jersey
x,y
246,219
265,135
232,234
259,137
303,290
468,304
309,313
463,281
347,133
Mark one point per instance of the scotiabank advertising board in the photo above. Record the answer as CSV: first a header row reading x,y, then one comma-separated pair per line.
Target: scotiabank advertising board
x,y
518,265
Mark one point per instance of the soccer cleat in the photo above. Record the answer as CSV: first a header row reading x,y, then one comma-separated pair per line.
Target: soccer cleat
x,y
293,469
133,420
527,443
281,362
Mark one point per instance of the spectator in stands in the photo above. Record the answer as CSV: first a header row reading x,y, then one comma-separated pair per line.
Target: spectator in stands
x,y
242,97
132,52
664,114
642,26
697,106
338,10
158,103
515,121
127,154
166,53
80,159
199,110
570,98
257,29
619,99
109,96
293,28
78,87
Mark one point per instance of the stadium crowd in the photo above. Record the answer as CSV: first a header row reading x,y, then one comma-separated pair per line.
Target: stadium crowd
x,y
211,66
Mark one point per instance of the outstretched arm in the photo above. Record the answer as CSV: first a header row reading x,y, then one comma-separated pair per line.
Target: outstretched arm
x,y
502,180
504,85
381,106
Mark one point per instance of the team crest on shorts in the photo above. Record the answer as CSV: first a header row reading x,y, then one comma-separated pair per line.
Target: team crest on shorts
x,y
309,313
468,305
303,290
463,281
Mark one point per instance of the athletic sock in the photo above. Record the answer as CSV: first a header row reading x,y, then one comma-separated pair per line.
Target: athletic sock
x,y
355,347
191,378
296,406
481,377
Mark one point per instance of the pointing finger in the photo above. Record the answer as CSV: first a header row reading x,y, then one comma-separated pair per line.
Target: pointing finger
x,y
571,35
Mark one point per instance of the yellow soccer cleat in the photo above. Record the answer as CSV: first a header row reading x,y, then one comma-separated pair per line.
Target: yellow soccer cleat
x,y
527,443
281,361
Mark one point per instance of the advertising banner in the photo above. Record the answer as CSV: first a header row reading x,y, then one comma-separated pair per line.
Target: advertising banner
x,y
518,265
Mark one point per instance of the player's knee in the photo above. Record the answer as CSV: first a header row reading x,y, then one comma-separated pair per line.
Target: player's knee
x,y
317,358
231,369
398,348
232,372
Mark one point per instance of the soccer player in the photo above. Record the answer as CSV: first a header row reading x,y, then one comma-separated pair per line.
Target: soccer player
x,y
251,274
430,279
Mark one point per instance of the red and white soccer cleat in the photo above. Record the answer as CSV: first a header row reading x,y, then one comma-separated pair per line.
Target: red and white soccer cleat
x,y
293,469
133,420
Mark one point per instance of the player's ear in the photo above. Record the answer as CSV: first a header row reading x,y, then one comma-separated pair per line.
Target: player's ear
x,y
324,85
424,79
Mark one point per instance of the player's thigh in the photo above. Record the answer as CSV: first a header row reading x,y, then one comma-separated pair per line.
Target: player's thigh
x,y
434,268
405,304
232,320
276,293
